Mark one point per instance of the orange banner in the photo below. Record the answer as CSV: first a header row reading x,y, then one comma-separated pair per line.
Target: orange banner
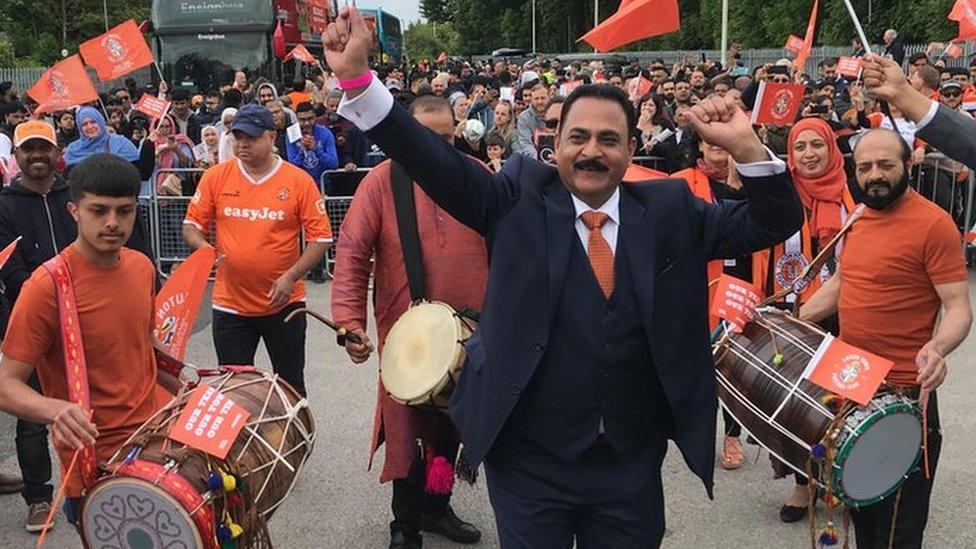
x,y
210,422
794,44
964,11
152,105
804,53
301,53
118,52
64,85
849,66
845,370
735,300
637,87
634,20
8,251
178,302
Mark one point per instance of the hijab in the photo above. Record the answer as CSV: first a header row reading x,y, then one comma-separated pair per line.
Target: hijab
x,y
104,142
169,159
823,195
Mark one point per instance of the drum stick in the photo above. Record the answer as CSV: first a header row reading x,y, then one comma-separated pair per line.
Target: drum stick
x,y
349,336
60,496
818,262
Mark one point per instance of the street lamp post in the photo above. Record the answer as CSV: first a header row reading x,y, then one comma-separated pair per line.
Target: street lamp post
x,y
533,27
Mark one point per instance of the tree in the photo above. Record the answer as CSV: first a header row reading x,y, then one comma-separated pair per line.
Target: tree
x,y
435,11
423,42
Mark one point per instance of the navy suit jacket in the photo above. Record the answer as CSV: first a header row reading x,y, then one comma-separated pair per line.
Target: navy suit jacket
x,y
527,215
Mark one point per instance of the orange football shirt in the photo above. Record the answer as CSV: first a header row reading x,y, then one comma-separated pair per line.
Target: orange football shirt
x,y
258,225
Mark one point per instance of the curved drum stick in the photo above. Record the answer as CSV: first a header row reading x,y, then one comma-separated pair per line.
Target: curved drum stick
x,y
342,334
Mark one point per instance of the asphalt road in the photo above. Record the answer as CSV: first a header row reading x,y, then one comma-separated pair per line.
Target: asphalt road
x,y
337,503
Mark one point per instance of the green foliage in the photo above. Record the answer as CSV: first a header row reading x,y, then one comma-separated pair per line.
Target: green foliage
x,y
428,40
38,29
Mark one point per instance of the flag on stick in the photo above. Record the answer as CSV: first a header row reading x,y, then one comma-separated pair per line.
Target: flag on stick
x,y
64,85
118,52
807,49
178,302
635,20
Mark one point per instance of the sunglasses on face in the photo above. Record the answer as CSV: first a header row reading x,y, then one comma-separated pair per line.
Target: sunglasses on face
x,y
552,123
781,79
951,94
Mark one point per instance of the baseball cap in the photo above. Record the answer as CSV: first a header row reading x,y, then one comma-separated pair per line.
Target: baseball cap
x,y
529,76
254,120
34,129
950,84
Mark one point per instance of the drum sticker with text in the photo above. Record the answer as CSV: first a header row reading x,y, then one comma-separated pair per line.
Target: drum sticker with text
x,y
735,300
845,370
210,422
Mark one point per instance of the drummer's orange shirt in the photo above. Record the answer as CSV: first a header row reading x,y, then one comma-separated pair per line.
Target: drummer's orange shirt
x,y
258,226
115,311
890,265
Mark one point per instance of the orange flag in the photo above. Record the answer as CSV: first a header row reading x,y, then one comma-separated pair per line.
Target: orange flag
x,y
301,53
64,85
964,11
804,53
178,302
735,300
152,105
118,52
8,251
845,370
635,20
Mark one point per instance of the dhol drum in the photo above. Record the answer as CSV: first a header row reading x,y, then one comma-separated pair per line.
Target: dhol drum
x,y
160,494
864,453
423,354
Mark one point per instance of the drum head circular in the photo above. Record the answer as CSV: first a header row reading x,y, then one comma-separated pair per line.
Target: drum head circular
x,y
128,513
420,351
880,457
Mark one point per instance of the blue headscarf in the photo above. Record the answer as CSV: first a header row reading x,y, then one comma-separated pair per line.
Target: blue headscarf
x,y
84,146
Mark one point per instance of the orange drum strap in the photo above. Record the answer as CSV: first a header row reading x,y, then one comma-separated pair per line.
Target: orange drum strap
x,y
74,355
181,490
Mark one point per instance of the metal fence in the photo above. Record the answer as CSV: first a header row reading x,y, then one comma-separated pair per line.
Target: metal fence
x,y
939,179
24,78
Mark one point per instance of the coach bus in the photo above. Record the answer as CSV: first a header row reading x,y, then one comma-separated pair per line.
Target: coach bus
x,y
388,34
199,42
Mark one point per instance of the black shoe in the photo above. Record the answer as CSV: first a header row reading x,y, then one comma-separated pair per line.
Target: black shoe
x,y
447,524
788,513
401,538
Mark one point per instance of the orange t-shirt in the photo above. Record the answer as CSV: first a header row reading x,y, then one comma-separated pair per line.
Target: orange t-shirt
x,y
298,98
115,335
258,228
890,265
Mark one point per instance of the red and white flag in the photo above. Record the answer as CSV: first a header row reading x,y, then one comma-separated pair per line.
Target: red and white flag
x,y
953,51
849,66
637,87
178,302
118,52
845,370
794,44
735,300
777,104
152,105
301,53
64,85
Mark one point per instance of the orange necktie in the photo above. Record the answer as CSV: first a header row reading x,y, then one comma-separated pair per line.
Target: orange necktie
x,y
601,256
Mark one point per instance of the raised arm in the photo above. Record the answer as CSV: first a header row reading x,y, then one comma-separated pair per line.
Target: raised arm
x,y
953,133
453,180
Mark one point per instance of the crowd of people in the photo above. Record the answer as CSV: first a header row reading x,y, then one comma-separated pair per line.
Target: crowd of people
x,y
283,140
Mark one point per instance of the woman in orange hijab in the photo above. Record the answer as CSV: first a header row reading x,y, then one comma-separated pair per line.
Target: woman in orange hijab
x,y
817,168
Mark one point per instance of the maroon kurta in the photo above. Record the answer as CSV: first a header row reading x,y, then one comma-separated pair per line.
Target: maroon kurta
x,y
456,265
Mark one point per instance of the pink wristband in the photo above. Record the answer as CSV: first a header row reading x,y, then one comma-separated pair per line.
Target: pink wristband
x,y
358,82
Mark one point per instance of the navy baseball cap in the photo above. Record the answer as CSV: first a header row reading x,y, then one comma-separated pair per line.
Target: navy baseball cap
x,y
254,120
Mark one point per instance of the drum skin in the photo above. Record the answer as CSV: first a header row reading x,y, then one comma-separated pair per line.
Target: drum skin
x,y
283,432
423,355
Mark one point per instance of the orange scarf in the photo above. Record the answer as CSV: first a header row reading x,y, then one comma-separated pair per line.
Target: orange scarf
x,y
824,195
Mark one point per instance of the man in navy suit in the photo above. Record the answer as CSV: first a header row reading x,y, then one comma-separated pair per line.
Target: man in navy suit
x,y
593,347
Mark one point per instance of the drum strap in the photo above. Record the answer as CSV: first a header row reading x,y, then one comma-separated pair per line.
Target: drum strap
x,y
406,215
75,366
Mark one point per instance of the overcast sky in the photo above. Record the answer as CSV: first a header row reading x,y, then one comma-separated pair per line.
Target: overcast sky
x,y
406,10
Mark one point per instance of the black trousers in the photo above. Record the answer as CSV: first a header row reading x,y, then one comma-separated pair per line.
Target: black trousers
x,y
236,338
872,525
33,456
600,500
411,501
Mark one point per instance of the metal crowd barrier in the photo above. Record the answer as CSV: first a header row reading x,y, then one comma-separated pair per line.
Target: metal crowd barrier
x,y
949,184
653,162
342,187
166,215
